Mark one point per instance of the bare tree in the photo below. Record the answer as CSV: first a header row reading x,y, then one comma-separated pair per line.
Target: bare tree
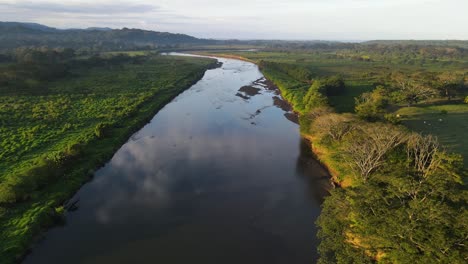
x,y
320,111
367,146
423,152
334,125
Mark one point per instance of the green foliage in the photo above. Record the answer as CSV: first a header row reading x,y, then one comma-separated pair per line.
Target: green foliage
x,y
333,86
450,128
407,212
411,209
51,137
371,106
315,96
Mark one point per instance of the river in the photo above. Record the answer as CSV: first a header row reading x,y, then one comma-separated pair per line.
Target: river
x,y
218,176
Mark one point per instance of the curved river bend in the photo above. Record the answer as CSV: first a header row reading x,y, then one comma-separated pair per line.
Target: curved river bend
x,y
218,176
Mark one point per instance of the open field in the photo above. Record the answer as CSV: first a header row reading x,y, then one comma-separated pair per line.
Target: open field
x,y
448,122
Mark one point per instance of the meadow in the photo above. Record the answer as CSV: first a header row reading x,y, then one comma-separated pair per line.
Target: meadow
x,y
55,133
449,122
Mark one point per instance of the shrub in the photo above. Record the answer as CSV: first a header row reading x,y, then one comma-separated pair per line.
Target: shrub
x,y
371,106
7,194
392,118
101,130
333,85
314,97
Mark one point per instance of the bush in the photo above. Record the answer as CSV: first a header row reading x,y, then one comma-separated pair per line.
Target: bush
x,y
101,130
333,85
7,194
314,97
371,106
392,118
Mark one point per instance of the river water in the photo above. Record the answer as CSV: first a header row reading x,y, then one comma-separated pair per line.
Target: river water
x,y
218,176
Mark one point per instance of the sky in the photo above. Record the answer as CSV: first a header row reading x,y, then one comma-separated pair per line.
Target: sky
x,y
256,19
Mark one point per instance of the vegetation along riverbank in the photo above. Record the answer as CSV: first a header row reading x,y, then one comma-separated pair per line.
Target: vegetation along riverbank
x,y
402,194
62,116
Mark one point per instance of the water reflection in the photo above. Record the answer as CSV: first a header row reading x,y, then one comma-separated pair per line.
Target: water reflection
x,y
213,178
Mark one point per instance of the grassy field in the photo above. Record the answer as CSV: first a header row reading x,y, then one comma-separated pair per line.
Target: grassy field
x,y
52,140
449,122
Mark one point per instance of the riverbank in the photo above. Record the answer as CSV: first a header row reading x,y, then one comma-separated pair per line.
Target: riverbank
x,y
24,218
213,171
376,166
340,176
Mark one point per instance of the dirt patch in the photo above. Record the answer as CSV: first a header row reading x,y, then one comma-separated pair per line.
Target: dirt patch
x,y
292,117
249,90
282,104
267,84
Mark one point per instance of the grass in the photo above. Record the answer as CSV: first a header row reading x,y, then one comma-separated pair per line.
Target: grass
x,y
52,141
345,102
448,122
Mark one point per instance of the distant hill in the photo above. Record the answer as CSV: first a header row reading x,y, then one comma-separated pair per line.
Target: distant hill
x,y
17,34
445,43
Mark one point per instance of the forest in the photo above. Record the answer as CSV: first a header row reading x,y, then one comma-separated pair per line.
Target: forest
x,y
61,116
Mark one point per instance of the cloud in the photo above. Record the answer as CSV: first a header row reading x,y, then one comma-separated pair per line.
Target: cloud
x,y
281,19
81,8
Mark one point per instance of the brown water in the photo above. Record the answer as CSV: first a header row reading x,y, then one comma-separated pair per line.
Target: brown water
x,y
214,178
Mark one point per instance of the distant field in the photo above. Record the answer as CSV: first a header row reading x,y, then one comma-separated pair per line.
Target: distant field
x,y
359,75
450,128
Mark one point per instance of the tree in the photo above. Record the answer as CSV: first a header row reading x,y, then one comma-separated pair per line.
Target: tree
x,y
336,126
411,90
371,106
367,146
424,153
314,97
449,84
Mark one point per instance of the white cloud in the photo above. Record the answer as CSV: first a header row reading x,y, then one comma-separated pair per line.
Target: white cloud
x,y
293,19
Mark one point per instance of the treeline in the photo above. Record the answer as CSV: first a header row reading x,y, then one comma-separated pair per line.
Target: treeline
x,y
397,52
402,196
25,70
298,86
14,34
409,89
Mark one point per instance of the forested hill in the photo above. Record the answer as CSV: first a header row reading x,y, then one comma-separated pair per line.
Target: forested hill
x,y
444,43
16,34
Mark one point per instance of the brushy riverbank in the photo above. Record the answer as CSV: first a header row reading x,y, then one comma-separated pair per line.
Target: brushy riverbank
x,y
401,197
123,98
